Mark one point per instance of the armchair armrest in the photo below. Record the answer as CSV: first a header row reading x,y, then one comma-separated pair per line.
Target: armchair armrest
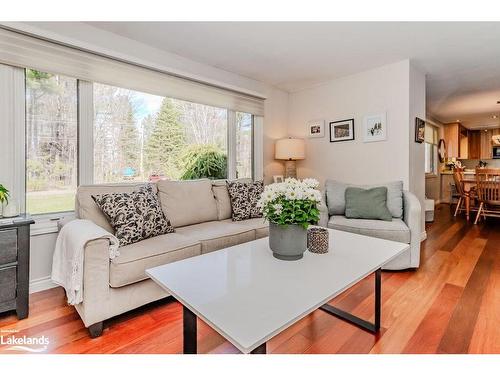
x,y
412,216
323,212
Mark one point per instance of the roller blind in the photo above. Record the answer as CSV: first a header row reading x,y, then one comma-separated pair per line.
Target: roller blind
x,y
30,52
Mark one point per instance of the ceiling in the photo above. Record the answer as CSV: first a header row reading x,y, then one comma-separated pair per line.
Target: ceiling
x,y
461,59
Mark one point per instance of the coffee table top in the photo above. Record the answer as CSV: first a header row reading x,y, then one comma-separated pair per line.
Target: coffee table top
x,y
248,296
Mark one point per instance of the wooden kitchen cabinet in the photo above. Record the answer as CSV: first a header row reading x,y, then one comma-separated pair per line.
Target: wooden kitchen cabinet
x,y
475,144
486,151
479,143
456,138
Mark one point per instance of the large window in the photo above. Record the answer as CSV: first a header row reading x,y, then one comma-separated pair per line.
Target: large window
x,y
431,145
244,135
131,136
138,136
51,142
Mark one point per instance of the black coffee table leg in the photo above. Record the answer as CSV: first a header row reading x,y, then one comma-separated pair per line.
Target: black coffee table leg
x,y
368,326
261,349
189,331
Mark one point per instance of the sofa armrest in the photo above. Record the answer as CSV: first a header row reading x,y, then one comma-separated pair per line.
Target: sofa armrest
x,y
412,216
95,281
323,212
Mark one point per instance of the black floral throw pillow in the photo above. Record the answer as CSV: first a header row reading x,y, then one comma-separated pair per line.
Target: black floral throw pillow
x,y
134,216
244,197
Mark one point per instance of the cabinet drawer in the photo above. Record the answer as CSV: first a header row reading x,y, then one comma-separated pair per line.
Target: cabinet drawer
x,y
8,246
7,284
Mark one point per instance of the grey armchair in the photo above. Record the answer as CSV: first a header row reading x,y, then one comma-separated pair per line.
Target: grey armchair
x,y
405,226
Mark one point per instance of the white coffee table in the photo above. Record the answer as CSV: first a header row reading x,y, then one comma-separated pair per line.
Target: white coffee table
x,y
248,296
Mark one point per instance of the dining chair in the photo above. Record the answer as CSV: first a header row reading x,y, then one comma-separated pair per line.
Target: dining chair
x,y
465,196
488,193
458,175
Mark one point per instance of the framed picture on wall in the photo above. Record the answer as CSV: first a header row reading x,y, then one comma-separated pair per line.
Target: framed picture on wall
x,y
419,130
316,129
375,128
342,130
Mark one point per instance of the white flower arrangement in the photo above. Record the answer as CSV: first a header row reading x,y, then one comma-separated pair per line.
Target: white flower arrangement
x,y
291,202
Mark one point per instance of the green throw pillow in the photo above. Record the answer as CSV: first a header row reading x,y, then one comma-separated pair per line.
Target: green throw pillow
x,y
367,203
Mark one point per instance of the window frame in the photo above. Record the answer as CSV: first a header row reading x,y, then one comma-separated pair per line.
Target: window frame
x,y
252,146
434,152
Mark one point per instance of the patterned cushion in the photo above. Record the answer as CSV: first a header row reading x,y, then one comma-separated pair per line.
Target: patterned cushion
x,y
134,216
244,197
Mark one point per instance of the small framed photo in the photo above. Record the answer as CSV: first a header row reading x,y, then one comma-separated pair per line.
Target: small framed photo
x,y
419,130
342,130
316,129
278,178
375,128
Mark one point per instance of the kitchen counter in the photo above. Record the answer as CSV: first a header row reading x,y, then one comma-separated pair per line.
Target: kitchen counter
x,y
467,171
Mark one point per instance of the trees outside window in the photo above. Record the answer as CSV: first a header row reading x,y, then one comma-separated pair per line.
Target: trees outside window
x,y
244,134
138,136
122,118
51,142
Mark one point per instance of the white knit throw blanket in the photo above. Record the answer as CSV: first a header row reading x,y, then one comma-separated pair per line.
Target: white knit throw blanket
x,y
67,263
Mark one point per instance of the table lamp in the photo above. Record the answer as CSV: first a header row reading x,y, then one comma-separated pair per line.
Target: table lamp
x,y
290,149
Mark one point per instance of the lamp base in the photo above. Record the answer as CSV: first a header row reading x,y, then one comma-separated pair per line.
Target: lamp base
x,y
290,169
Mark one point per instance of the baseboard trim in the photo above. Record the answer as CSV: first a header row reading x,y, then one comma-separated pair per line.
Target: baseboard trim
x,y
42,283
423,236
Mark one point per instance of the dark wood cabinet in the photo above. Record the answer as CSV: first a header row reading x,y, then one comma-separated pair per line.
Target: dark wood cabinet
x,y
474,144
15,264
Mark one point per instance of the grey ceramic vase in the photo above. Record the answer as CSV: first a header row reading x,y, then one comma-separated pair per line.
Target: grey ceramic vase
x,y
287,242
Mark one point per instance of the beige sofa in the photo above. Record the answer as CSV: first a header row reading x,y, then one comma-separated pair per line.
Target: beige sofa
x,y
200,211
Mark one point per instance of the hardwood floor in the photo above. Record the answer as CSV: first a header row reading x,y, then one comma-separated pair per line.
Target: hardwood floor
x,y
451,304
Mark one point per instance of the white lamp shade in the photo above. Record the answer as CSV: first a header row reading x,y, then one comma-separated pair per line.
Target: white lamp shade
x,y
290,149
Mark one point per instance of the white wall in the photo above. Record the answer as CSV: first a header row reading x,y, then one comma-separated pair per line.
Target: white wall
x,y
417,150
42,248
88,37
385,89
275,127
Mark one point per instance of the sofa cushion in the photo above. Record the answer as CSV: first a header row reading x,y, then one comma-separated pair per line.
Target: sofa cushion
x,y
86,208
260,226
223,201
335,196
244,197
187,202
134,216
395,230
134,259
367,203
216,235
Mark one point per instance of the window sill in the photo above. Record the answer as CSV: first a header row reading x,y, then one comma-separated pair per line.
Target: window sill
x,y
48,223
